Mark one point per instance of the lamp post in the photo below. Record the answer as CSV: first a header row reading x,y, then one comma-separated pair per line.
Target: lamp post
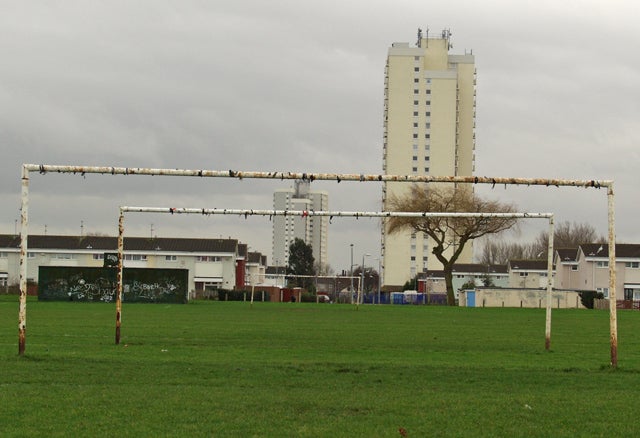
x,y
351,275
379,278
362,277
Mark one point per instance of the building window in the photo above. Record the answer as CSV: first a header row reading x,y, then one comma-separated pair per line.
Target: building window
x,y
415,113
136,257
415,158
171,258
64,256
428,114
427,125
602,264
415,102
426,158
633,265
416,91
416,68
574,267
98,256
416,80
427,136
415,147
426,169
415,169
415,124
415,135
428,102
31,255
207,259
3,255
524,274
428,91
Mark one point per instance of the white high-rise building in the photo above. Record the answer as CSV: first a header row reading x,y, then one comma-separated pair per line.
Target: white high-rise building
x,y
312,229
429,129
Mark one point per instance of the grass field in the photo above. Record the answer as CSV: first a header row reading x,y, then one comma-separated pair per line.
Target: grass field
x,y
284,370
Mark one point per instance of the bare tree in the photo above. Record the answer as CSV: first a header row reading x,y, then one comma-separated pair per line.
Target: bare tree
x,y
448,233
566,235
499,252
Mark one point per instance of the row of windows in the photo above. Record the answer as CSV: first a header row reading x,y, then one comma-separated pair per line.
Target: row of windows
x,y
208,259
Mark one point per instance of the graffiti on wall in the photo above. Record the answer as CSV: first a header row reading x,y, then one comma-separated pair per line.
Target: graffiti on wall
x,y
100,285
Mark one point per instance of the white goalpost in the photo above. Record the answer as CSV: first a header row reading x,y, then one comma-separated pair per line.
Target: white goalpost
x,y
44,169
331,214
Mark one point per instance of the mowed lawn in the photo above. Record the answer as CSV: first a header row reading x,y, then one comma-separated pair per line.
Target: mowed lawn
x,y
317,370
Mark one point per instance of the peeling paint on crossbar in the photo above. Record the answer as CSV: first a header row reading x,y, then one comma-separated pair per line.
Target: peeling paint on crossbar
x,y
239,174
304,213
493,181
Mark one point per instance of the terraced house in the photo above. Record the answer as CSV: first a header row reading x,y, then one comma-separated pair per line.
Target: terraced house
x,y
212,263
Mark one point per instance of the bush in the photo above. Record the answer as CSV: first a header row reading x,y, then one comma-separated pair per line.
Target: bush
x,y
588,296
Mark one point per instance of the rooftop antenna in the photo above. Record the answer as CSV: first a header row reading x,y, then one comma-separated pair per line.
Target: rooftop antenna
x,y
81,228
419,43
446,35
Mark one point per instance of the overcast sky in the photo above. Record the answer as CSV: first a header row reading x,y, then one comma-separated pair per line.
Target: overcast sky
x,y
298,86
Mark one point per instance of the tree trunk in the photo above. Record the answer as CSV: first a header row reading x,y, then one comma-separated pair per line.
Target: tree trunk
x,y
448,280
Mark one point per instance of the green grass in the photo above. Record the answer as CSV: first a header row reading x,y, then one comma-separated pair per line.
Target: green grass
x,y
225,369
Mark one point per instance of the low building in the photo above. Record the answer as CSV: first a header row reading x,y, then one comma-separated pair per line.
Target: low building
x,y
212,263
432,281
510,297
528,273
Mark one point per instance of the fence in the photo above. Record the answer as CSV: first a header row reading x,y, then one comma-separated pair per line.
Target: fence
x,y
603,304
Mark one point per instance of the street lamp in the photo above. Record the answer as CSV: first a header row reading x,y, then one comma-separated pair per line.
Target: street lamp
x,y
379,278
362,276
351,274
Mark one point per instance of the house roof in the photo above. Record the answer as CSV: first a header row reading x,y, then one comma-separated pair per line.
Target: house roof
x,y
528,265
466,268
626,250
107,243
567,254
477,268
276,270
257,257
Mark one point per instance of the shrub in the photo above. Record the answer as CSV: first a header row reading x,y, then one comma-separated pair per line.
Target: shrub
x,y
588,296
